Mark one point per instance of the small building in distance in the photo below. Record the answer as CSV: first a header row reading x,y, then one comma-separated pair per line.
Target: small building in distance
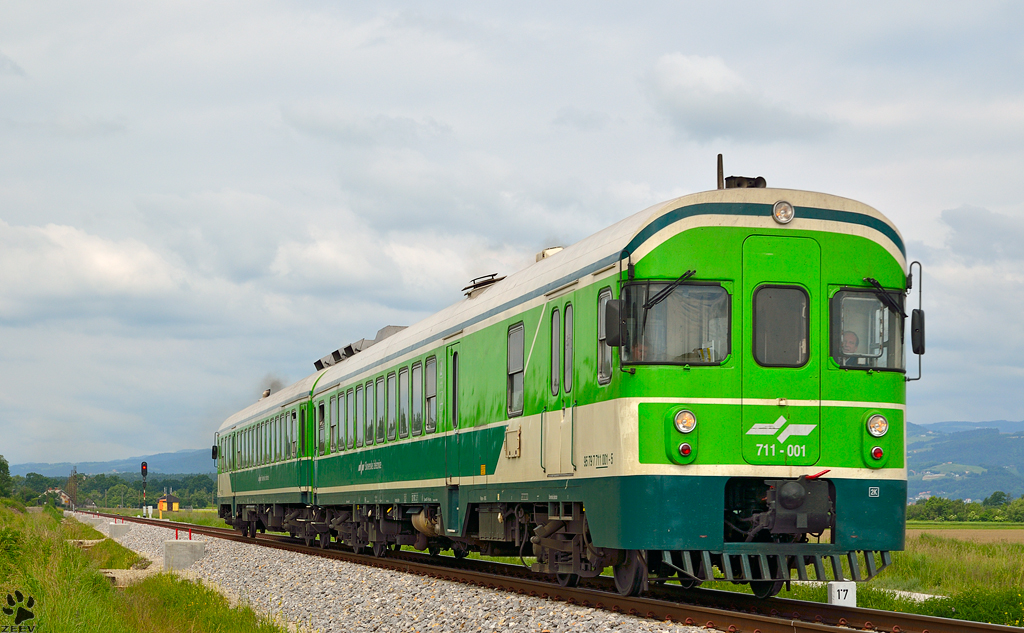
x,y
168,503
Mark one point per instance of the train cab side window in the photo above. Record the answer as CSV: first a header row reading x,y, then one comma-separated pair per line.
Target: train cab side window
x,y
604,351
417,399
556,348
567,364
431,394
380,410
781,326
355,425
403,402
516,369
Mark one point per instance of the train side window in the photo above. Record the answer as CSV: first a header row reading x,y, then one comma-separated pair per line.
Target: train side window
x,y
604,351
417,399
303,432
392,410
287,422
370,401
350,412
342,420
322,428
334,412
355,427
781,326
403,402
515,369
556,348
567,365
380,410
279,431
431,392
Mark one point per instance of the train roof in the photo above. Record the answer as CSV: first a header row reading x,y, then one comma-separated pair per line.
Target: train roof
x,y
633,237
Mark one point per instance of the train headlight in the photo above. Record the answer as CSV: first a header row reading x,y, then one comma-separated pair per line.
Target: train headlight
x,y
878,425
783,212
685,421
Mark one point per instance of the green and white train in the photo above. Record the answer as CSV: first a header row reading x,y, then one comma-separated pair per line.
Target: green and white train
x,y
711,388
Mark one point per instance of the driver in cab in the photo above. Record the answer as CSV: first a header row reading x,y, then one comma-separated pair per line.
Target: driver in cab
x,y
848,346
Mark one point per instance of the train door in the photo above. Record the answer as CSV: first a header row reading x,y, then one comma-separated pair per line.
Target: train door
x,y
557,436
319,445
452,454
781,365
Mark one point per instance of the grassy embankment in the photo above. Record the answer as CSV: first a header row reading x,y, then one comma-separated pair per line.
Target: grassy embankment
x,y
69,594
980,581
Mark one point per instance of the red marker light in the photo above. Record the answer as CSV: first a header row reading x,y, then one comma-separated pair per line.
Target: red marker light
x,y
685,449
877,453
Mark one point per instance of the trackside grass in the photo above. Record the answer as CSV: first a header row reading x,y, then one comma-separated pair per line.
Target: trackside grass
x,y
976,581
67,592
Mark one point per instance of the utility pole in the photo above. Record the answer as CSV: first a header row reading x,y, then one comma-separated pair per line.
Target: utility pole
x,y
72,487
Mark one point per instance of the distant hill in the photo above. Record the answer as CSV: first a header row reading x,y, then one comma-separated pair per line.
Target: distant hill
x,y
192,461
965,460
1004,426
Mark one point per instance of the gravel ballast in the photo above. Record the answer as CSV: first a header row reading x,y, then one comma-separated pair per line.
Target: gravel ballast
x,y
325,595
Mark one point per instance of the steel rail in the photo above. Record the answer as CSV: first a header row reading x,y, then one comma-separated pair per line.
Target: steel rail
x,y
723,610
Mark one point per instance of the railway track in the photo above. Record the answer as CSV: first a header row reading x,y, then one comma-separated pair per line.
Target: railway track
x,y
722,610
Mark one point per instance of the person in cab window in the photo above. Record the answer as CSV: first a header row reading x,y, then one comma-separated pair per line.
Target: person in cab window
x,y
849,344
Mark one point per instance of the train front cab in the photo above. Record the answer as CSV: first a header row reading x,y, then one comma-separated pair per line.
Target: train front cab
x,y
768,367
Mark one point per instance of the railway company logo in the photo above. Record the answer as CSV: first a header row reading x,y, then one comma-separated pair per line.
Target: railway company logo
x,y
792,430
20,606
369,466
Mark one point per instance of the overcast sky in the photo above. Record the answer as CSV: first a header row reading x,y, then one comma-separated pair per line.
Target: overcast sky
x,y
199,198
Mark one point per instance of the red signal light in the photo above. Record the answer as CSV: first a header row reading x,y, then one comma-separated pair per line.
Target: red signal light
x,y
685,449
877,452
145,469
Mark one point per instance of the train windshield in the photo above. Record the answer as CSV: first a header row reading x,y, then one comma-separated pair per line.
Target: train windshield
x,y
689,326
866,333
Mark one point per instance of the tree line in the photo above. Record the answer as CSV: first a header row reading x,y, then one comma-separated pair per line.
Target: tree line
x,y
998,506
106,491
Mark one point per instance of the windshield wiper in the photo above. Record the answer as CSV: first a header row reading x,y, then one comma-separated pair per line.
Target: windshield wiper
x,y
667,290
886,298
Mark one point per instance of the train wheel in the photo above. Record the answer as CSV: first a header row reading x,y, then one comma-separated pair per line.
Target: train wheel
x,y
459,551
252,529
629,576
766,588
380,550
567,580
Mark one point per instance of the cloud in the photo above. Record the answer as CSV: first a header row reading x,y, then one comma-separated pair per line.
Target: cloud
x,y
72,126
980,236
704,100
9,67
57,270
582,120
391,131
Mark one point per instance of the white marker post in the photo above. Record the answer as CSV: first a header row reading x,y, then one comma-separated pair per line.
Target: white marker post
x,y
842,593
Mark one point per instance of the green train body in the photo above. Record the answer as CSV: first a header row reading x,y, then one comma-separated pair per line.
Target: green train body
x,y
544,413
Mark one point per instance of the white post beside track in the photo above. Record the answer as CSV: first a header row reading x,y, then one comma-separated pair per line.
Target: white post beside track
x,y
842,593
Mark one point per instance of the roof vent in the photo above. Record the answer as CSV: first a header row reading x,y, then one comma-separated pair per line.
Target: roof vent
x,y
743,182
478,284
350,350
548,252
